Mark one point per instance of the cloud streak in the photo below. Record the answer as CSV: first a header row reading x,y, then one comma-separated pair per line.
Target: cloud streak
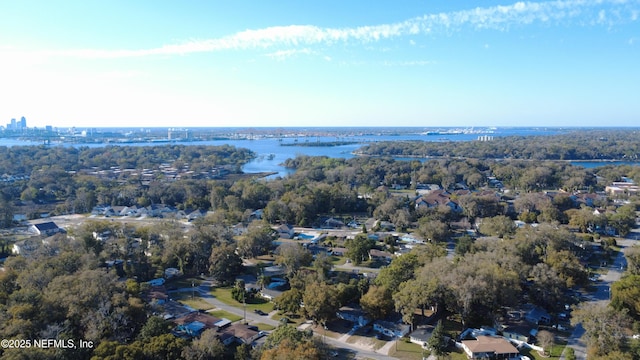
x,y
498,18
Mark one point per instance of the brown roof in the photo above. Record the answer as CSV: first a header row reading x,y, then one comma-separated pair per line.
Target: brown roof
x,y
490,344
208,320
241,331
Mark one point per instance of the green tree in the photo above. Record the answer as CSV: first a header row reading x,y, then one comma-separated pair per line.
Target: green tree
x,y
437,342
292,256
257,241
320,302
625,294
400,270
289,301
433,230
358,248
499,226
377,302
225,264
154,326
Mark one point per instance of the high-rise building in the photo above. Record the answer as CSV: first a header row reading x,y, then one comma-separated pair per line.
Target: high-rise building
x,y
23,124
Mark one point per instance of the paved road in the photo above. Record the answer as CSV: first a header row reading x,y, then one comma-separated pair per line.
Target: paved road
x,y
253,318
602,293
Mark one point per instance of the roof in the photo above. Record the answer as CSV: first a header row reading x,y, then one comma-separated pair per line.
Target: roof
x,y
208,320
422,334
241,331
490,344
50,225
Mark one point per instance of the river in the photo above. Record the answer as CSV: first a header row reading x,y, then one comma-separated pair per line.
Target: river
x,y
271,153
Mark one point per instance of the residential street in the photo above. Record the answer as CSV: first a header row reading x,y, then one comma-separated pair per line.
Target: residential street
x,y
602,293
360,351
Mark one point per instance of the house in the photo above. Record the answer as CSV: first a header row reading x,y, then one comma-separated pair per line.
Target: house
x,y
519,332
332,223
193,324
46,228
244,334
538,315
353,314
196,214
19,217
380,255
157,295
437,198
171,272
285,231
489,347
270,294
338,251
391,329
421,336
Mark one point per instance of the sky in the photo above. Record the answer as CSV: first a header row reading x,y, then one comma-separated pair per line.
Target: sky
x,y
156,63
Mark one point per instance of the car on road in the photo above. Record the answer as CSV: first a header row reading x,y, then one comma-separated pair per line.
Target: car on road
x,y
259,312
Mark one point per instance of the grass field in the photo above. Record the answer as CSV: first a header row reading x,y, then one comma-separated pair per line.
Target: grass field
x,y
408,351
223,294
224,314
197,302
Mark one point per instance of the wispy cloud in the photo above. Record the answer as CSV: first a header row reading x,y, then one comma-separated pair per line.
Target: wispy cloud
x,y
499,18
285,54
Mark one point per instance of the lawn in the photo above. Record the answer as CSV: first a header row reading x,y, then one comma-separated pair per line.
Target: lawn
x,y
264,327
556,351
224,314
408,351
197,302
223,294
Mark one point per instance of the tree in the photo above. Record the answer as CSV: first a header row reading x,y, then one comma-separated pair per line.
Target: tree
x,y
437,342
633,259
257,241
224,264
499,226
286,332
322,265
546,340
358,248
377,302
289,301
206,347
292,256
625,294
320,302
288,350
243,352
400,270
154,326
433,230
604,327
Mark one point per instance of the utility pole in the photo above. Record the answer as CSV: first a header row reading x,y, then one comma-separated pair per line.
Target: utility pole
x,y
244,302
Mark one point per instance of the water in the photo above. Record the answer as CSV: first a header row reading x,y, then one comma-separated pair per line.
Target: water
x,y
270,153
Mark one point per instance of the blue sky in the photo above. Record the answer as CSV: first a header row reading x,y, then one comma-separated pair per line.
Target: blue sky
x,y
320,63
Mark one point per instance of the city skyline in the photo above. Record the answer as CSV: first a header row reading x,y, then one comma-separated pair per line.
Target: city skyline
x,y
329,63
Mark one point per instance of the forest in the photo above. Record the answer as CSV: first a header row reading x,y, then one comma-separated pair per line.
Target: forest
x,y
601,144
495,265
